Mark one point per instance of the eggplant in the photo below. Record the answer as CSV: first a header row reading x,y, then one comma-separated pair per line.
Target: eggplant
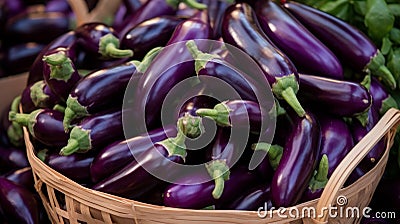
x,y
348,43
95,132
19,58
115,156
337,97
99,38
305,49
66,40
240,28
45,125
299,159
13,132
252,199
172,65
132,5
76,167
359,131
141,176
194,191
22,177
195,103
12,158
381,98
265,170
216,10
36,96
58,6
150,34
39,27
17,203
84,99
59,71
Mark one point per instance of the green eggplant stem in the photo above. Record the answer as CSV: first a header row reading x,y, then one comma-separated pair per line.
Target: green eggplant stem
x,y
194,4
22,119
190,126
70,148
219,185
55,59
319,180
61,66
219,172
109,47
15,104
79,141
73,110
201,58
220,114
274,155
290,97
148,59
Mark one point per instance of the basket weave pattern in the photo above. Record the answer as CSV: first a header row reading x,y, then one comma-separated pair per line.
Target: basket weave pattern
x,y
69,202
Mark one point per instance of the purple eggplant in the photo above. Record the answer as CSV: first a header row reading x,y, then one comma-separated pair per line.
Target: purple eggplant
x,y
59,71
347,42
85,98
155,8
251,200
134,181
39,27
99,38
150,34
38,95
299,159
19,58
265,170
22,177
359,131
305,49
342,98
18,203
195,103
12,158
95,132
13,132
241,29
66,40
118,154
381,98
132,5
195,189
76,167
58,6
216,10
45,125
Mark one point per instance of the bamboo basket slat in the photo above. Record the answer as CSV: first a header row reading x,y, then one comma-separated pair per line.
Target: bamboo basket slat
x,y
66,200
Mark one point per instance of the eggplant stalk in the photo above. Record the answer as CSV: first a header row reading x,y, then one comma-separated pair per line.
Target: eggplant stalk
x,y
109,47
319,180
60,66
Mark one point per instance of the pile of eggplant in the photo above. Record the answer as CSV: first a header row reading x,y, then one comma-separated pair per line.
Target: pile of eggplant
x,y
329,83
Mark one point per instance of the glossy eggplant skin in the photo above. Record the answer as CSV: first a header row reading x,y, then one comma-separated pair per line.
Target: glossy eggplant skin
x,y
359,131
12,158
18,203
133,181
66,40
336,140
252,199
298,162
41,123
194,103
348,43
38,95
303,50
341,98
132,5
76,167
216,10
19,58
26,98
22,176
150,34
98,91
118,154
381,98
39,27
198,196
149,10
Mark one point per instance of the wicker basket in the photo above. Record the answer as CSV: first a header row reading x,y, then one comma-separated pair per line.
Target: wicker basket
x,y
69,202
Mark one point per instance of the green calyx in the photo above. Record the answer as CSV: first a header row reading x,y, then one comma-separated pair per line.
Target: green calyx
x,y
59,107
61,67
79,141
219,172
286,88
175,146
108,47
220,114
42,154
362,118
261,146
148,59
377,68
190,126
366,82
191,3
388,103
201,58
274,155
319,180
15,134
73,110
27,120
39,98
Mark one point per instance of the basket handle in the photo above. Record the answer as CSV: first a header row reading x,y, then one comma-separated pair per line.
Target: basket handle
x,y
104,9
389,122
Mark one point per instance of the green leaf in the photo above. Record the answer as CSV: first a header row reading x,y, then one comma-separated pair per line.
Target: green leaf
x,y
378,19
394,35
394,64
339,8
386,46
360,7
394,9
